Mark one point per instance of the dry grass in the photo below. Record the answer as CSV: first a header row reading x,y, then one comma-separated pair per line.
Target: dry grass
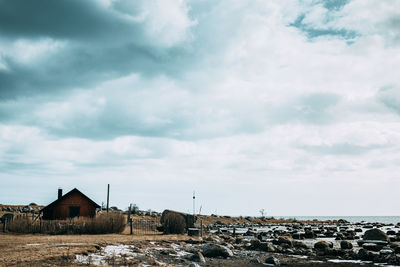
x,y
101,224
209,220
58,250
174,223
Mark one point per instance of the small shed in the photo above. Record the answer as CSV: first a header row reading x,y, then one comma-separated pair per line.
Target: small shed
x,y
71,205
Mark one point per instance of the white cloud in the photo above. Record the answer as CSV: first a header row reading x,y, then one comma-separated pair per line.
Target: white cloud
x,y
257,109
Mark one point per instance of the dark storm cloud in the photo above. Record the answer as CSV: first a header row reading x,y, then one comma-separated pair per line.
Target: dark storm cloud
x,y
98,43
60,19
81,67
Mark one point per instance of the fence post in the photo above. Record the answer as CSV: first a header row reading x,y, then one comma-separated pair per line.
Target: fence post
x,y
131,222
40,225
201,228
4,226
129,213
234,231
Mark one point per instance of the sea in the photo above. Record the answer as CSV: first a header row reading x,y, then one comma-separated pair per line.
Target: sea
x,y
352,219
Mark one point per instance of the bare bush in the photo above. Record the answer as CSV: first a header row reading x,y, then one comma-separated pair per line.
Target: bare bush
x,y
174,223
101,224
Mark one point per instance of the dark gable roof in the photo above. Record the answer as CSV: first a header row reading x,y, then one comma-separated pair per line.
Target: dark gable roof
x,y
68,194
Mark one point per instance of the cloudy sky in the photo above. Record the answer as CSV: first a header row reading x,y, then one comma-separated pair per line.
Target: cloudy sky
x,y
290,106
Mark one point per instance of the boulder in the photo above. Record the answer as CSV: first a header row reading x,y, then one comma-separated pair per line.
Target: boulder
x,y
375,234
255,261
391,232
363,254
255,243
215,250
265,246
272,260
346,245
386,251
323,245
309,234
372,246
299,244
285,240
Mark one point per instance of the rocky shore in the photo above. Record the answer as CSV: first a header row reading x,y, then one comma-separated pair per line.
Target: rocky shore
x,y
290,244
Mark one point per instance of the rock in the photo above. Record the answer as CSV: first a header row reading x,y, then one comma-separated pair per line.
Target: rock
x,y
201,257
375,234
363,254
249,218
193,264
386,251
285,240
239,239
322,245
215,250
272,260
296,236
372,246
397,250
265,246
391,232
255,260
299,244
346,245
255,244
309,234
340,236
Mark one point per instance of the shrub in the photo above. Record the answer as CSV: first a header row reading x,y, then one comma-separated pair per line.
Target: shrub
x,y
174,223
101,224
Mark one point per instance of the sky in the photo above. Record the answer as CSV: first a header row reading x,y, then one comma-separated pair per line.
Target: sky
x,y
288,106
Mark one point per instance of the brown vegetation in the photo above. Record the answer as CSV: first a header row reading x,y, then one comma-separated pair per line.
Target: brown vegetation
x,y
102,224
174,223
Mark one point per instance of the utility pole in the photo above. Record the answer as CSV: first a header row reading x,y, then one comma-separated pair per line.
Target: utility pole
x,y
108,196
194,200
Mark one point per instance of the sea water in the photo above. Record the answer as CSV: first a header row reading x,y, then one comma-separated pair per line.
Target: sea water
x,y
352,219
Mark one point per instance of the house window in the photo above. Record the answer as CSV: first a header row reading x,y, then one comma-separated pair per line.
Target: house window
x,y
74,211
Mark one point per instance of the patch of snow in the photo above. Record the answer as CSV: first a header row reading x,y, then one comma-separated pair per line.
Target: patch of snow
x,y
111,251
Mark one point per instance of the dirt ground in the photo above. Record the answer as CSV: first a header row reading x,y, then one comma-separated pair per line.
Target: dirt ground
x,y
50,250
60,250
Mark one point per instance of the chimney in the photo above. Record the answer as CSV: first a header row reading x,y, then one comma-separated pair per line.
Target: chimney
x,y
59,193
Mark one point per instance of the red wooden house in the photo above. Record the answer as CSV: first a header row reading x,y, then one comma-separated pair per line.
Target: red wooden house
x,y
73,204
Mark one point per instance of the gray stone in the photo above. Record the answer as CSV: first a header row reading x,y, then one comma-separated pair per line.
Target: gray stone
x,y
346,245
272,260
285,240
323,245
255,243
299,244
372,246
386,251
266,246
215,250
375,234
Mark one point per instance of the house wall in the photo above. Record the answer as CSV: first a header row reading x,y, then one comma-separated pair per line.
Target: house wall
x,y
61,210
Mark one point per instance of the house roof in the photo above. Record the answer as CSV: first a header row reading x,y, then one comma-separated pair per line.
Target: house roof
x,y
68,194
